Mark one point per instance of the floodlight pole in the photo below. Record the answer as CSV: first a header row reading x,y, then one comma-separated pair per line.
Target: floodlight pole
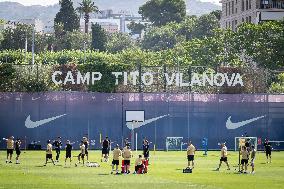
x,y
33,46
132,136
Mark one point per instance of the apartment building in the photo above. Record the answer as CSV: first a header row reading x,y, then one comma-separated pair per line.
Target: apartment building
x,y
236,12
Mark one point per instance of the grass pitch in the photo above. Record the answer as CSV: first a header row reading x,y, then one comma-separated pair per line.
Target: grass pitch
x,y
165,172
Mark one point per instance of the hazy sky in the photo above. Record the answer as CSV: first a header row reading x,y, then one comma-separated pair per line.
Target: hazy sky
x,y
52,2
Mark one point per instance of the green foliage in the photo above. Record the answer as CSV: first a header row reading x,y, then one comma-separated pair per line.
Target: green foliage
x,y
278,86
99,38
161,38
205,26
117,42
262,44
75,40
67,16
15,38
7,75
86,8
136,28
161,12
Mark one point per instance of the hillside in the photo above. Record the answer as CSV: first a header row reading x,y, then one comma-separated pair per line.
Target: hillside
x,y
13,11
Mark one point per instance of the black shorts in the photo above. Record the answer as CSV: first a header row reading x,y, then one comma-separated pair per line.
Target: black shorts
x,y
48,156
190,157
268,152
82,156
105,150
18,152
244,161
115,162
68,155
10,151
126,162
146,154
86,151
225,159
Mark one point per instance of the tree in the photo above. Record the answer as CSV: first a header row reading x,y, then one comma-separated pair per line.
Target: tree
x,y
118,42
205,26
217,14
67,16
162,38
136,28
16,38
161,12
99,38
87,7
261,45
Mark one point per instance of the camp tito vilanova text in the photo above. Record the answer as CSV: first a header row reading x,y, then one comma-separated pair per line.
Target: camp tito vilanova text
x,y
147,78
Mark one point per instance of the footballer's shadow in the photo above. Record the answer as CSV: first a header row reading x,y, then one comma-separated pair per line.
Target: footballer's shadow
x,y
40,166
263,163
103,174
178,169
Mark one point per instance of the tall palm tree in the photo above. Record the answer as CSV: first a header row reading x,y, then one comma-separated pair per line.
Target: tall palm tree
x,y
86,8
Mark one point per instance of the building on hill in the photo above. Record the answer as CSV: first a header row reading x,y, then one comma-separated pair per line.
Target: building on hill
x,y
38,24
236,12
110,25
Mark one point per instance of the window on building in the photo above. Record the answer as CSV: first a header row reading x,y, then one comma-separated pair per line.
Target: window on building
x,y
229,24
243,19
233,8
249,4
226,9
236,2
229,8
226,24
246,4
249,19
236,11
243,5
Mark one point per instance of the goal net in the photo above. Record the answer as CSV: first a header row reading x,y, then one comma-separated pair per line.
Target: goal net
x,y
240,141
174,143
277,145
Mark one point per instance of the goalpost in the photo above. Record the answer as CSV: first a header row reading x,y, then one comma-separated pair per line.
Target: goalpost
x,y
240,141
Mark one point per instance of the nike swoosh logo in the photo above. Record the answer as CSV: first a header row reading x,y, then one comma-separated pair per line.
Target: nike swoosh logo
x,y
231,125
33,124
140,124
35,98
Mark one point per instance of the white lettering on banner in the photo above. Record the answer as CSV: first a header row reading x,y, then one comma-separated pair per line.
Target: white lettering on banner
x,y
54,77
116,74
94,78
147,78
82,80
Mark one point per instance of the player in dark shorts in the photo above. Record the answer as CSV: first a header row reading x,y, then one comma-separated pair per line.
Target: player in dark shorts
x,y
10,148
68,149
105,149
86,143
57,146
48,153
18,150
146,152
268,149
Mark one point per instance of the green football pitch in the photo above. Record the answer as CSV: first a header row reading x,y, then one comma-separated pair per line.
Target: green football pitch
x,y
165,171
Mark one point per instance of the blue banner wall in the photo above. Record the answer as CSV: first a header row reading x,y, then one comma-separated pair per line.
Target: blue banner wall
x,y
72,115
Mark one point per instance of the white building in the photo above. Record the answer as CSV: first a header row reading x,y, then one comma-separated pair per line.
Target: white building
x,y
235,12
38,24
110,25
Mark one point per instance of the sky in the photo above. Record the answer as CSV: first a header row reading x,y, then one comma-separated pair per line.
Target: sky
x,y
52,2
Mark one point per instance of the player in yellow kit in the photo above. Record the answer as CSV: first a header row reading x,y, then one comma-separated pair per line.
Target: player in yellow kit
x,y
224,158
138,164
190,154
10,149
49,153
127,154
116,155
245,158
